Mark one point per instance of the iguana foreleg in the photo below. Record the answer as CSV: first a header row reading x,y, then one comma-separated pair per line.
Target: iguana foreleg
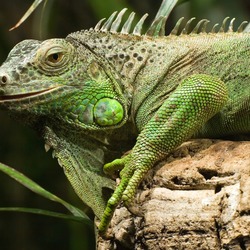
x,y
195,101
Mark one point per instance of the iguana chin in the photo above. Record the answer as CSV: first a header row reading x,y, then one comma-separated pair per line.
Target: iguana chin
x,y
99,92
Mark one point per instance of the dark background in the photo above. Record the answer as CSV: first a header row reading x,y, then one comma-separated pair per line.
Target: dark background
x,y
22,149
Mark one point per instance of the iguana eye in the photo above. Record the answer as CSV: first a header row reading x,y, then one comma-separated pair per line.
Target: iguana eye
x,y
55,57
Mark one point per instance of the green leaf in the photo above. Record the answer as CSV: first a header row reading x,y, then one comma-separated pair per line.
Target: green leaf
x,y
43,212
166,8
25,181
164,11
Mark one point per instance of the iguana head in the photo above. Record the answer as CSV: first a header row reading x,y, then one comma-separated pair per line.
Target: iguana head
x,y
57,79
34,69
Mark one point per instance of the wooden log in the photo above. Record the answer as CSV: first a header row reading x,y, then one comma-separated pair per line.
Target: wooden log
x,y
198,198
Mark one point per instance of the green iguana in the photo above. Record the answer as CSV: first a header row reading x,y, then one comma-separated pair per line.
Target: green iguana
x,y
100,92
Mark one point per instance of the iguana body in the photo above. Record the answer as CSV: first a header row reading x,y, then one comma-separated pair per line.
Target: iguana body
x,y
94,93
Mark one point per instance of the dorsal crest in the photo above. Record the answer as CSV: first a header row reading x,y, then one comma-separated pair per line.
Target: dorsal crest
x,y
157,28
201,26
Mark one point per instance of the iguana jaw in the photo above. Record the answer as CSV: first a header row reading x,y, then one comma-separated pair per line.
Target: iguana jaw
x,y
26,96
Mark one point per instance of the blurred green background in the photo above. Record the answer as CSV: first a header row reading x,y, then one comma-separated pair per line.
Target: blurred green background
x,y
22,149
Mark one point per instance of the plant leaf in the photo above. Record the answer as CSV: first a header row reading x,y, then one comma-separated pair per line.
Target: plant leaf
x,y
44,212
25,181
27,14
164,11
165,8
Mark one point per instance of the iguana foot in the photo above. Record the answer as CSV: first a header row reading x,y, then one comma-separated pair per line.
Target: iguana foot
x,y
117,164
130,175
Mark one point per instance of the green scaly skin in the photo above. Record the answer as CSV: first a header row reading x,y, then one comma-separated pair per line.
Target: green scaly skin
x,y
97,93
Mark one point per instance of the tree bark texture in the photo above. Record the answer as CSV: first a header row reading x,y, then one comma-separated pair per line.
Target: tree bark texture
x,y
198,198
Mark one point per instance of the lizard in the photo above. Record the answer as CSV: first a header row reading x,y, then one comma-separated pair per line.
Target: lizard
x,y
100,92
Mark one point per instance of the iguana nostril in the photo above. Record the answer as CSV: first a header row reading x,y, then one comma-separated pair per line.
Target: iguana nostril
x,y
4,79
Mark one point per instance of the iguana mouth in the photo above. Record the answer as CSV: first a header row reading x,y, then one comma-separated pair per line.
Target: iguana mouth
x,y
19,97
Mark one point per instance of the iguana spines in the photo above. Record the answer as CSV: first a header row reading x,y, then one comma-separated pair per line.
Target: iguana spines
x,y
157,28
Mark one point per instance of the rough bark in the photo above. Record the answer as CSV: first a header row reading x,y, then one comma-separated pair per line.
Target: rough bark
x,y
198,198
